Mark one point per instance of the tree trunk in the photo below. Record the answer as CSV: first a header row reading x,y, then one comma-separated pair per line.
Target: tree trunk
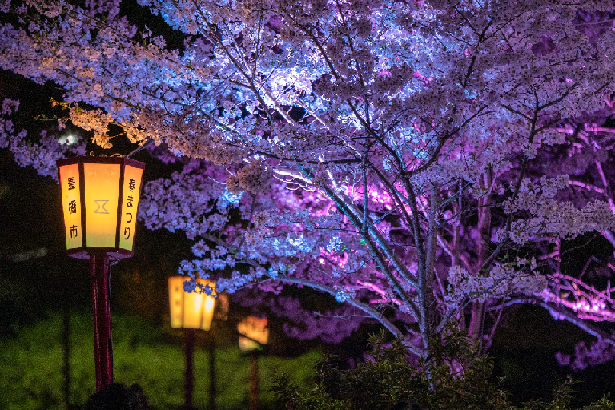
x,y
458,210
426,279
475,330
477,322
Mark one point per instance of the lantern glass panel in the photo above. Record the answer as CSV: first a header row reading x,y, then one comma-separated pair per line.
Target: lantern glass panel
x,y
193,310
208,309
71,205
130,204
246,344
101,200
190,310
176,301
256,331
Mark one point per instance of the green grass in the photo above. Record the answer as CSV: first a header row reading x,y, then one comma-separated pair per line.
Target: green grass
x,y
31,367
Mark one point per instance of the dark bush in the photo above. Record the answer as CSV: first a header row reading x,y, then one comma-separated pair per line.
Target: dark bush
x,y
452,377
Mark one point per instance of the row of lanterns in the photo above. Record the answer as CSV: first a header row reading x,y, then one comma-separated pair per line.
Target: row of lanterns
x,y
195,311
190,311
100,202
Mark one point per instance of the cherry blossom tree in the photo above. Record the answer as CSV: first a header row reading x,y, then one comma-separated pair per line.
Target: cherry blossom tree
x,y
377,151
580,292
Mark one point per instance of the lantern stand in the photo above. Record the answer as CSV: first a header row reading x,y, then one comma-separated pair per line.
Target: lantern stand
x,y
103,347
254,387
220,313
100,200
189,370
190,311
66,355
253,334
189,338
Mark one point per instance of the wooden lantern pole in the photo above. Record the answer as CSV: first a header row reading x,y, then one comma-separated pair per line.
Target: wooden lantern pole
x,y
189,371
103,353
254,388
101,230
212,371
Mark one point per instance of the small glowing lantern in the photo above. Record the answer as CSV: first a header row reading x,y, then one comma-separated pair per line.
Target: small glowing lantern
x,y
100,200
190,310
254,333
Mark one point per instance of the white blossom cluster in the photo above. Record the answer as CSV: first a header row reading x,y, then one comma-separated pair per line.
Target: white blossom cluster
x,y
186,201
253,178
549,215
502,281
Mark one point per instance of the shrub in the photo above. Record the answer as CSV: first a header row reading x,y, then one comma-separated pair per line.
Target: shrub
x,y
453,376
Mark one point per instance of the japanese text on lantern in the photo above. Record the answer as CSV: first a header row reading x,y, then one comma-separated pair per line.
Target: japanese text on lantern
x,y
71,205
132,182
101,200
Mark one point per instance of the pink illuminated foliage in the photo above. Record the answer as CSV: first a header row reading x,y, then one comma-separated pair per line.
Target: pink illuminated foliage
x,y
580,290
388,153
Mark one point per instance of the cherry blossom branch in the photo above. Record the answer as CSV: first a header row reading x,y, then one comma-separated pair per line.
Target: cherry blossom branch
x,y
346,209
365,308
562,313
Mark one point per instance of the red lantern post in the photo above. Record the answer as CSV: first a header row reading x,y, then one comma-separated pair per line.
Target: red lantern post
x,y
100,201
190,311
253,334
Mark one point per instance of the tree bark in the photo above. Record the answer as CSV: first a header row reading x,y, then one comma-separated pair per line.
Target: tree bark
x,y
458,210
427,299
477,322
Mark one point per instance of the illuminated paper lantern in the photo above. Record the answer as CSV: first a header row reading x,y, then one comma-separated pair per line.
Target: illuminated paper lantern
x,y
100,201
190,310
254,333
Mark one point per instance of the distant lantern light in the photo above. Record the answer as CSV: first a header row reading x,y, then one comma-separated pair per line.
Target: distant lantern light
x,y
190,310
254,333
100,201
68,139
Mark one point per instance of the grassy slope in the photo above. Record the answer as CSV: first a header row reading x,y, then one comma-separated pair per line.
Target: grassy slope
x,y
31,367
